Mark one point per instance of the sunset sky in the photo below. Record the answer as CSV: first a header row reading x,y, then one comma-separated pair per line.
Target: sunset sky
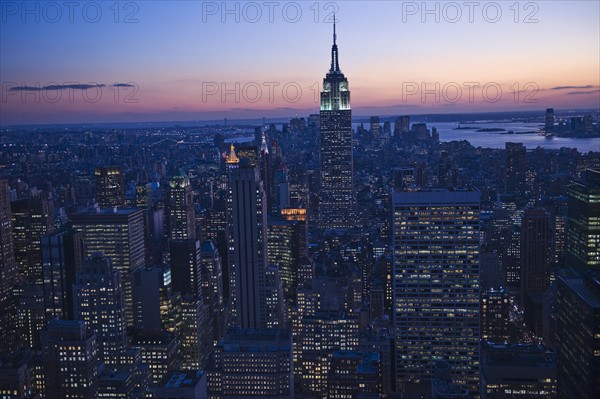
x,y
172,60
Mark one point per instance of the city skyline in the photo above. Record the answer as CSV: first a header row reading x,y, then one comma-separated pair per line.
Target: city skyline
x,y
213,60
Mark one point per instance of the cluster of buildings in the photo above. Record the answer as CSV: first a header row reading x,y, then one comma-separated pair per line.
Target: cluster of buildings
x,y
322,263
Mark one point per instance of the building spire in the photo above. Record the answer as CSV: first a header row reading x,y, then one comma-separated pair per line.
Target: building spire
x,y
232,158
334,35
335,66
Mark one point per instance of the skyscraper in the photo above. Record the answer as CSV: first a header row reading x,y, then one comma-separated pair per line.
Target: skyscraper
x,y
549,121
99,300
248,247
336,200
181,209
436,279
576,329
62,255
583,224
32,218
8,272
185,258
110,186
119,235
535,252
515,169
70,360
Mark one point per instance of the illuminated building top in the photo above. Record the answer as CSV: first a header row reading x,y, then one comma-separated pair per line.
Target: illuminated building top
x,y
336,93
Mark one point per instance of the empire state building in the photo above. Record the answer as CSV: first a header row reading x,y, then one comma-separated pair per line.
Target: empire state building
x,y
336,202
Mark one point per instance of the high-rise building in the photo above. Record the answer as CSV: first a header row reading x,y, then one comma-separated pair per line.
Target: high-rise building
x,y
576,335
62,256
212,288
248,247
119,235
436,284
252,363
110,186
159,352
155,305
182,224
196,334
583,223
320,335
549,121
336,199
99,300
515,169
495,308
32,217
535,252
8,272
185,260
30,311
70,360
375,127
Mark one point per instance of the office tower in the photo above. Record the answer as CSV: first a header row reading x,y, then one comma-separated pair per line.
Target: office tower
x,y
212,287
266,174
62,256
119,235
158,351
70,360
32,218
252,363
401,126
196,335
576,335
375,127
247,247
549,121
30,311
182,224
515,169
535,253
495,307
99,300
509,371
583,222
182,385
110,186
185,260
336,199
279,249
155,305
8,272
436,284
354,375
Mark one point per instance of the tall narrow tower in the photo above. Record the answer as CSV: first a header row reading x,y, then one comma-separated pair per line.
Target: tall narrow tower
x,y
337,190
248,248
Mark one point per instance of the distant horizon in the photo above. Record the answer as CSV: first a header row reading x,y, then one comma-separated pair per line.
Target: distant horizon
x,y
284,119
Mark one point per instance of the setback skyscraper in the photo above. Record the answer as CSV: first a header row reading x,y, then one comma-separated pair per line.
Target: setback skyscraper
x,y
336,200
248,247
